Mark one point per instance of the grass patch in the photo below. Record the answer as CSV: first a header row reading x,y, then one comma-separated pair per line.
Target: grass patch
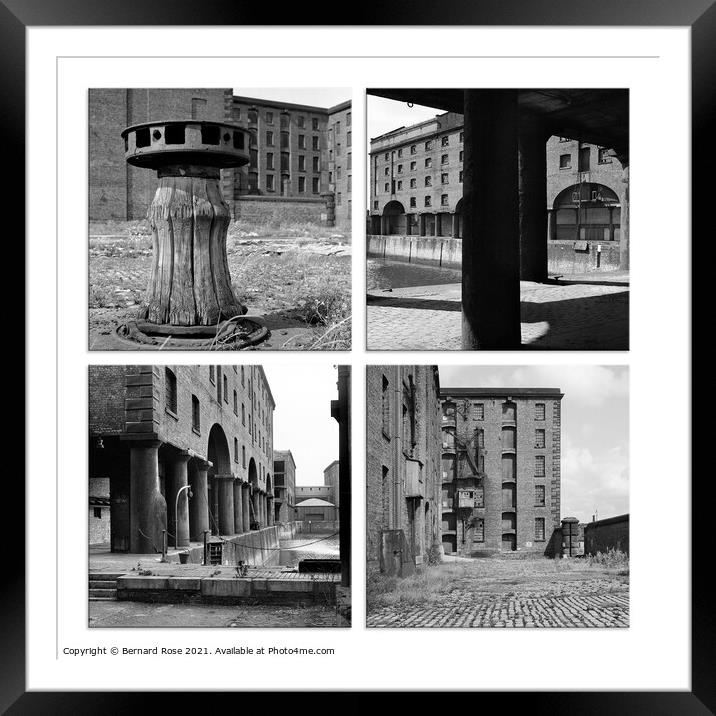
x,y
423,588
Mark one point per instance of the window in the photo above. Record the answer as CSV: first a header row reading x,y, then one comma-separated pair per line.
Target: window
x,y
400,186
444,200
236,450
539,438
301,162
315,142
428,181
428,145
385,403
445,141
226,390
375,204
349,183
301,185
539,465
314,124
269,160
387,171
413,166
198,108
171,390
269,139
413,183
243,414
339,199
479,409
461,155
444,159
539,495
315,186
338,127
386,156
236,113
460,177
479,533
565,161
400,168
413,203
462,136
479,497
270,182
269,117
413,149
604,156
349,160
409,412
242,377
300,121
212,375
400,152
539,529
315,164
348,119
243,456
428,201
195,414
584,154
539,411
338,173
301,141
444,178
338,149
387,186
428,163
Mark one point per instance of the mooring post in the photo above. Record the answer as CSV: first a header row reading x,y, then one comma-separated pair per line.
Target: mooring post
x,y
189,284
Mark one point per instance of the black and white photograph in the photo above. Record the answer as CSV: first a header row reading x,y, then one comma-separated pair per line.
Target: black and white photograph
x,y
219,219
498,219
497,496
219,496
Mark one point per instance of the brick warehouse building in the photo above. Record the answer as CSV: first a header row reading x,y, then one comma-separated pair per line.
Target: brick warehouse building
x,y
155,429
403,466
284,486
416,190
300,155
500,470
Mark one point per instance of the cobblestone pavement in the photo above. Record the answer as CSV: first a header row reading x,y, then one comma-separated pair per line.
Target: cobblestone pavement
x,y
581,313
141,614
507,593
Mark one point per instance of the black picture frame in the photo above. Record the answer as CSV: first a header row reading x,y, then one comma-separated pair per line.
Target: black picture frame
x,y
698,15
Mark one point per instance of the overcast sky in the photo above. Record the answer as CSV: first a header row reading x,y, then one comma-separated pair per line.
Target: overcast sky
x,y
315,96
595,428
385,115
302,421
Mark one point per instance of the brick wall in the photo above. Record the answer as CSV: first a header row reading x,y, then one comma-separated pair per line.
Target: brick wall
x,y
603,535
277,210
106,399
525,511
388,505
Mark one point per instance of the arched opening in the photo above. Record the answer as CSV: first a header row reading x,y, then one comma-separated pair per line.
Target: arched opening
x,y
394,219
586,212
457,221
219,455
255,496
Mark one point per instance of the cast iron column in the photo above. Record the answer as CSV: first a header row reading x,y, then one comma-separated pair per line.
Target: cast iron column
x,y
147,507
533,201
245,506
225,484
178,478
199,504
238,508
491,246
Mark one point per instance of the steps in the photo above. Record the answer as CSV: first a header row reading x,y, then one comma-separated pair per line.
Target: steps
x,y
103,586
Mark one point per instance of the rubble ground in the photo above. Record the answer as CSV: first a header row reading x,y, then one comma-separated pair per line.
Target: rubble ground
x,y
298,283
502,591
